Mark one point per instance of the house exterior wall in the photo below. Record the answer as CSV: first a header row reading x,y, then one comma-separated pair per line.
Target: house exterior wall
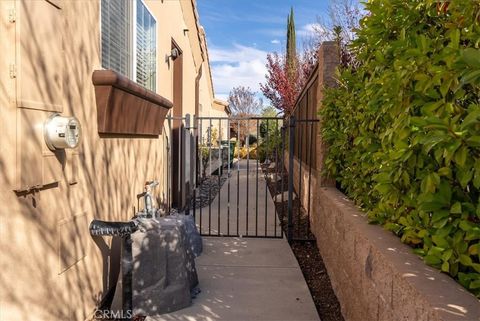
x,y
52,269
215,108
205,93
206,85
218,113
217,119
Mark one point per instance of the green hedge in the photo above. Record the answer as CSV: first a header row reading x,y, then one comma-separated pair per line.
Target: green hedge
x,y
403,128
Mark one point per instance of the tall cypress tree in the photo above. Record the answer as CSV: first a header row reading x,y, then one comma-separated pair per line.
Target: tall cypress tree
x,y
291,43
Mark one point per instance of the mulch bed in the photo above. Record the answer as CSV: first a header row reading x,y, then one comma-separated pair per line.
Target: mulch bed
x,y
315,274
306,252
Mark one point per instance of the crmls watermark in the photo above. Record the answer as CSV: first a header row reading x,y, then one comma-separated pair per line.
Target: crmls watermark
x,y
109,314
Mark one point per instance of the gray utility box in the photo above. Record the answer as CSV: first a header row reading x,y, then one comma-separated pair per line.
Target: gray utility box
x,y
164,274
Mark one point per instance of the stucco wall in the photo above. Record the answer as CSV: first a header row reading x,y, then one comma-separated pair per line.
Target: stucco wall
x,y
222,125
51,268
205,92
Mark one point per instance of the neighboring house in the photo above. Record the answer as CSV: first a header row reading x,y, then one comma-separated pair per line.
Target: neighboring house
x,y
216,122
52,269
221,109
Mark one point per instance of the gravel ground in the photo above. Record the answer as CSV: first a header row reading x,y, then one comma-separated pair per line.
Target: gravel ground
x,y
206,191
209,188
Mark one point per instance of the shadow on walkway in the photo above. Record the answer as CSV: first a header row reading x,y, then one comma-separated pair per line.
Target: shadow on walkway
x,y
245,279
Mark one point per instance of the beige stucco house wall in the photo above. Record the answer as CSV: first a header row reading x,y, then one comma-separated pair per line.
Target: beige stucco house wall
x,y
220,109
52,269
206,83
211,108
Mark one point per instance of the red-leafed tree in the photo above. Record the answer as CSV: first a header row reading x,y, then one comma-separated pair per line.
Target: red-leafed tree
x,y
278,88
287,73
284,83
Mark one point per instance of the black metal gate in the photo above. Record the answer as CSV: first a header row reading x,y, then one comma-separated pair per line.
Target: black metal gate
x,y
243,175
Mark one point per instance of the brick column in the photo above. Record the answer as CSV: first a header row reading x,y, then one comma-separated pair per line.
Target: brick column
x,y
328,60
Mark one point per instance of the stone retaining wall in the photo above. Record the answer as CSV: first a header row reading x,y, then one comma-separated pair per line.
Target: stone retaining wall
x,y
375,276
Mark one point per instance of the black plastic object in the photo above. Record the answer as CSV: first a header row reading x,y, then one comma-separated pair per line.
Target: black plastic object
x,y
121,229
194,238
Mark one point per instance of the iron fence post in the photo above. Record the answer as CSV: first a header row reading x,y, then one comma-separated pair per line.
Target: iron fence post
x,y
282,220
290,177
194,158
169,165
188,167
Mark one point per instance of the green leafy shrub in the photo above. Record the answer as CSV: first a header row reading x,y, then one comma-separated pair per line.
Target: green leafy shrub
x,y
252,139
404,128
204,156
271,140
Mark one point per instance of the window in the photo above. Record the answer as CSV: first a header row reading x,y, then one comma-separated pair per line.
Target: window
x,y
146,36
129,40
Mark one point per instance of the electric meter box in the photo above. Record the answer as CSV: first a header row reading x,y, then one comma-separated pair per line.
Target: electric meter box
x,y
62,132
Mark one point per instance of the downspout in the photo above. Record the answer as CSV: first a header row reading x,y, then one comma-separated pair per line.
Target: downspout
x,y
197,91
195,129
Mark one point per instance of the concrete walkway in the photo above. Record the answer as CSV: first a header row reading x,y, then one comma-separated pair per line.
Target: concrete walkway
x,y
244,207
246,279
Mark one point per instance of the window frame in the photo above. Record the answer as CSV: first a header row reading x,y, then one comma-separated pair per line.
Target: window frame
x,y
133,25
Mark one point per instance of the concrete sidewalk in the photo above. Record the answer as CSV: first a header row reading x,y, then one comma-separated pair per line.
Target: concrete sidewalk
x,y
244,206
244,279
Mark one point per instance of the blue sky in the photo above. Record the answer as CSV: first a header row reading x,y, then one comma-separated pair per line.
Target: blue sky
x,y
240,33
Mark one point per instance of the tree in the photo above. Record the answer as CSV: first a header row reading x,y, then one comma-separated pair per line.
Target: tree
x,y
278,88
287,73
270,135
269,127
343,20
244,103
269,111
291,52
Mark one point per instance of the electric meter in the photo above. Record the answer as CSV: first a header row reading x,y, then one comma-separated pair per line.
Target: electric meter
x,y
62,132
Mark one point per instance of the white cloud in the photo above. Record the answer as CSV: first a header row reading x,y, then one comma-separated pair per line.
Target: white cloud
x,y
275,41
235,54
237,66
309,29
222,96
